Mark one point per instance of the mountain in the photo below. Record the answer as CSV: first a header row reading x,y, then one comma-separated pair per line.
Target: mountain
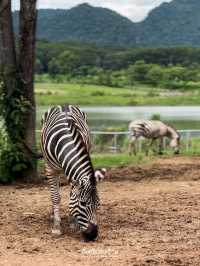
x,y
170,24
84,23
174,23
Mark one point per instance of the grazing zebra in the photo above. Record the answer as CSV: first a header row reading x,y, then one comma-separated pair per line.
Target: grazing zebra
x,y
65,144
152,129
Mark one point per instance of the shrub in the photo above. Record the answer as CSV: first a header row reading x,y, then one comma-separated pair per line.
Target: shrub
x,y
155,117
12,161
13,158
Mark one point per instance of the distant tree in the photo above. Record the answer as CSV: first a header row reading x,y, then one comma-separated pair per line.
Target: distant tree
x,y
54,67
155,75
38,66
68,62
175,73
138,72
104,77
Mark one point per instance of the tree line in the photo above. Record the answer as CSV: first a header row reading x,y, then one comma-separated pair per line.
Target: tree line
x,y
118,67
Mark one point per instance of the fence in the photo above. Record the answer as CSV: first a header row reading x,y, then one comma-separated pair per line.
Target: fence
x,y
103,141
117,141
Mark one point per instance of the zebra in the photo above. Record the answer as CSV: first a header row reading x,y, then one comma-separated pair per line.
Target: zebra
x,y
65,144
153,129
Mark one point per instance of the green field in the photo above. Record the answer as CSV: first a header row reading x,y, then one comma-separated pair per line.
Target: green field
x,y
117,160
62,93
113,160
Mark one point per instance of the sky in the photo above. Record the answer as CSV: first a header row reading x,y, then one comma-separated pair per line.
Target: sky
x,y
136,10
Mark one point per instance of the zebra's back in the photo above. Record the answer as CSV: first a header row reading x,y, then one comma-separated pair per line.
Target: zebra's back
x,y
65,141
148,128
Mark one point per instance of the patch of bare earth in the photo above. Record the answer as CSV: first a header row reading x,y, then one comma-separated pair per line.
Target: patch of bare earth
x,y
154,221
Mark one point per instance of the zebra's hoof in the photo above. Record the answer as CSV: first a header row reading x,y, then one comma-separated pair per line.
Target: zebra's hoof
x,y
56,232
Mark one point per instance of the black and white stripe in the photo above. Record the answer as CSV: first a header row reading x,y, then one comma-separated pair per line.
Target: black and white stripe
x,y
65,143
153,129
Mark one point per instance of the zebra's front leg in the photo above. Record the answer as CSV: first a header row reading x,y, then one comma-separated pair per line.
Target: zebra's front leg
x,y
55,198
130,148
160,151
146,147
132,145
154,146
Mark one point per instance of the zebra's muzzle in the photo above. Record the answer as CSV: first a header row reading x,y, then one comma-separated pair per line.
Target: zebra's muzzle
x,y
91,233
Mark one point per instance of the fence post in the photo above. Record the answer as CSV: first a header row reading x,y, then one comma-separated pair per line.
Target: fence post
x,y
187,141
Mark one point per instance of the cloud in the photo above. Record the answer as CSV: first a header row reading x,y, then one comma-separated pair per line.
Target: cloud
x,y
135,10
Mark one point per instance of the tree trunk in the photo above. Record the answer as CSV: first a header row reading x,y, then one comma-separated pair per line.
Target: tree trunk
x,y
7,46
28,15
18,76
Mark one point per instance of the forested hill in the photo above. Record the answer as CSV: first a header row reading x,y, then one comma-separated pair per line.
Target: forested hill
x,y
170,24
86,24
174,23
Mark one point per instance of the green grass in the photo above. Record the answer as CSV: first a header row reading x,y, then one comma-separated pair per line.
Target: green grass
x,y
51,93
117,160
62,93
112,160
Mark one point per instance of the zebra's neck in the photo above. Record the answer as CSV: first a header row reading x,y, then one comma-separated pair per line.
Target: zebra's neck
x,y
172,133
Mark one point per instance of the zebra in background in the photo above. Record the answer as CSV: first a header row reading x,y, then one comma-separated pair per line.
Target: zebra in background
x,y
65,144
153,129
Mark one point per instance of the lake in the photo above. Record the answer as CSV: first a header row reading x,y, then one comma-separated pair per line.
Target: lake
x,y
181,117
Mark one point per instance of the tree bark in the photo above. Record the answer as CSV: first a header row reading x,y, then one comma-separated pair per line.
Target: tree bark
x,y
7,46
27,31
18,77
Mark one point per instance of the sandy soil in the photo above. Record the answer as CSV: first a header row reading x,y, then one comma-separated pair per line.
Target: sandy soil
x,y
154,221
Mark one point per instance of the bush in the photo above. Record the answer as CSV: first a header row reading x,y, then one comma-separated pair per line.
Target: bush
x,y
155,117
12,162
155,75
138,72
13,157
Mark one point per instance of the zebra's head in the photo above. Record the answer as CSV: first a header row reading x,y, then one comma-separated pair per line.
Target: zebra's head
x,y
84,202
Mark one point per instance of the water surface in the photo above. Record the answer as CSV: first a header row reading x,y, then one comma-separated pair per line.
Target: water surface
x,y
182,117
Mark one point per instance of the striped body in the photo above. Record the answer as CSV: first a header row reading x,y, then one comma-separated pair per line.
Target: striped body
x,y
65,143
152,129
64,130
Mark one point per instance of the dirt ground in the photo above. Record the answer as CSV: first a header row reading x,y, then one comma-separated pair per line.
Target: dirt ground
x,y
149,216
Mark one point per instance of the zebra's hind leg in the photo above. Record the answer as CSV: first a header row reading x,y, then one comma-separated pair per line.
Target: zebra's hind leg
x,y
55,198
149,145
